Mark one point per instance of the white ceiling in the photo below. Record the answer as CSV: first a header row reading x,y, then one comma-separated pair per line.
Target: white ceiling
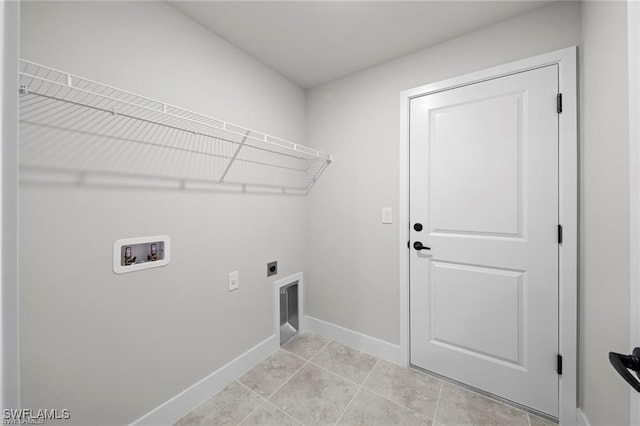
x,y
312,42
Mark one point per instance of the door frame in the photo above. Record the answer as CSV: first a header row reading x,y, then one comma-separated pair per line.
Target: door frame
x,y
633,17
568,208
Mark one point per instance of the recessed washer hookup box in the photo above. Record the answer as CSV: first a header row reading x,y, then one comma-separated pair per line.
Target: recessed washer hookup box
x,y
135,254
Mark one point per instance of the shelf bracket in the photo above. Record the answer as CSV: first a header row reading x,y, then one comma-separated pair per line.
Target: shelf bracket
x,y
235,155
317,176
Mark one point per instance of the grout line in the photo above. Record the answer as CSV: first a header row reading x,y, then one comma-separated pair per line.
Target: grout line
x,y
335,374
251,390
357,392
370,371
251,413
255,409
399,403
288,351
306,362
318,353
348,405
297,371
394,401
295,355
321,349
282,411
287,381
312,356
435,412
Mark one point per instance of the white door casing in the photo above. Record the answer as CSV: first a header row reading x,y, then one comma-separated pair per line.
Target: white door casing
x,y
633,28
484,185
566,59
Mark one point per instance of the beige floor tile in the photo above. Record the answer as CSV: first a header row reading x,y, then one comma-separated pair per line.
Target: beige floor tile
x,y
267,414
539,421
314,396
348,363
370,409
271,373
319,392
459,406
228,407
408,388
306,345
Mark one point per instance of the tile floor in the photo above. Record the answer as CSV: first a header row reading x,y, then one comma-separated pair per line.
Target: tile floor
x,y
314,381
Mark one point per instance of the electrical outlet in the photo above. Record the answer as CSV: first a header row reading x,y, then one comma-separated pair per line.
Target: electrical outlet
x,y
234,280
272,268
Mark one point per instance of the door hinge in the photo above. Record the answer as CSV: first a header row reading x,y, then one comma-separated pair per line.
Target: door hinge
x,y
559,103
559,365
559,234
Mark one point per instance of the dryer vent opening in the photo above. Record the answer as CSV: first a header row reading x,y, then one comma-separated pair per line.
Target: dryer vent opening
x,y
289,320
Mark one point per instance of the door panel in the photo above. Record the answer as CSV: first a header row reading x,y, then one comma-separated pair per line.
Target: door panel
x,y
484,183
493,125
462,303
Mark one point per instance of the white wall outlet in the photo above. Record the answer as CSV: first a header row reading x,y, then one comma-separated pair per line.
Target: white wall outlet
x,y
234,280
386,215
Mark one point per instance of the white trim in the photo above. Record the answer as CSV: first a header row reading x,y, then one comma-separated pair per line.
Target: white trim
x,y
633,27
568,214
362,342
174,409
277,285
581,418
403,224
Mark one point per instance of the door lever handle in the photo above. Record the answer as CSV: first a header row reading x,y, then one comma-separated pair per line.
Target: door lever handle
x,y
418,246
624,363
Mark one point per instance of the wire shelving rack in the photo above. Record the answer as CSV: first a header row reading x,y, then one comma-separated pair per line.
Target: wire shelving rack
x,y
75,124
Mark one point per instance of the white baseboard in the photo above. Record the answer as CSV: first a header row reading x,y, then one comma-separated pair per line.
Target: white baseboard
x,y
581,418
362,342
174,409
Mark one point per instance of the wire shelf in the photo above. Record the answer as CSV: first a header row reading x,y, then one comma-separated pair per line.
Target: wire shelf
x,y
75,124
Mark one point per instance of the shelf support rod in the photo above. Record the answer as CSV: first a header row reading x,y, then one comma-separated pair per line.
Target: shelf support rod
x,y
235,155
317,176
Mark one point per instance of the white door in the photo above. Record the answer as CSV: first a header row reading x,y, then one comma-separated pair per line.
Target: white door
x,y
484,187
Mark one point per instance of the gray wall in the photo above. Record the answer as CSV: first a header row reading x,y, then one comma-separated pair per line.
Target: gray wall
x,y
352,268
111,347
93,341
604,207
